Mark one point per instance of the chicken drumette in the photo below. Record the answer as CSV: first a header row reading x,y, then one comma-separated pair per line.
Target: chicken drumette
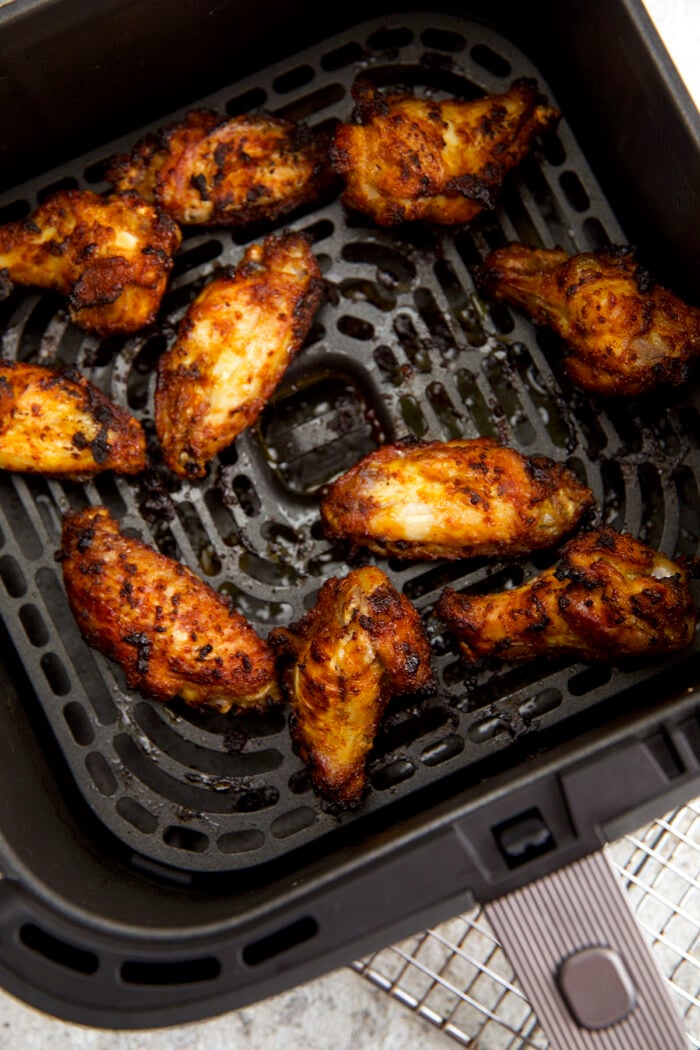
x,y
170,632
409,158
609,596
361,644
625,333
222,171
233,346
110,255
58,423
453,499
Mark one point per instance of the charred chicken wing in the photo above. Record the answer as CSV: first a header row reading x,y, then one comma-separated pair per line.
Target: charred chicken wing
x,y
361,644
170,632
609,596
222,171
626,334
58,423
233,346
453,499
410,158
110,255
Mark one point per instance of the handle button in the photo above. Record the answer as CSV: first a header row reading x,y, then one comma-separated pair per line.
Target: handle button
x,y
597,987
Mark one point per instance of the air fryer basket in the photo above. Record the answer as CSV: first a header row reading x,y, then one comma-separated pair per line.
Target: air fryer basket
x,y
403,346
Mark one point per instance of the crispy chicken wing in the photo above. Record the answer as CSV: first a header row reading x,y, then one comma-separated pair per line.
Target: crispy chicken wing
x,y
58,423
222,171
609,596
410,158
453,499
110,255
626,334
233,346
170,632
361,644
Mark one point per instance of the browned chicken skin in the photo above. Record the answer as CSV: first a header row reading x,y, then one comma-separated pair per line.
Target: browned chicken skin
x,y
610,596
361,644
59,424
626,335
453,499
233,346
110,255
223,171
442,162
170,632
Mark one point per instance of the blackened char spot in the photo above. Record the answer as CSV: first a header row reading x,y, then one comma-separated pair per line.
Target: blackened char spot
x,y
199,183
474,188
85,538
643,280
142,643
383,600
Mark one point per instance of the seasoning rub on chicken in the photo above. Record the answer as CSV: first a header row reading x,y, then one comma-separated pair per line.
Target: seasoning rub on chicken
x,y
361,644
609,596
233,346
223,171
454,499
410,158
59,424
625,334
170,632
110,255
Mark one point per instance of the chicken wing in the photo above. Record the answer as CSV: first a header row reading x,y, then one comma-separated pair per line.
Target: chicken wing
x,y
110,255
222,171
233,346
626,335
609,596
170,632
58,423
453,499
410,158
362,643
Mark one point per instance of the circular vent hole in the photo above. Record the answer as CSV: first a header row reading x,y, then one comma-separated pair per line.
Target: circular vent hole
x,y
387,39
137,815
241,841
393,774
12,576
342,56
588,680
78,723
442,750
442,39
293,78
293,822
252,99
56,674
187,839
490,60
102,776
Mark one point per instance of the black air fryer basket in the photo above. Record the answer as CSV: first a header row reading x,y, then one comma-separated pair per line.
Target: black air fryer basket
x,y
164,864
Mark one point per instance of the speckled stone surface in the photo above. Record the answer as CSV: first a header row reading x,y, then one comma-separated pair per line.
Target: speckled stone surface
x,y
339,1011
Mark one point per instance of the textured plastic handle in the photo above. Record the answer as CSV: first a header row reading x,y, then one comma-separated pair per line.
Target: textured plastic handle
x,y
584,963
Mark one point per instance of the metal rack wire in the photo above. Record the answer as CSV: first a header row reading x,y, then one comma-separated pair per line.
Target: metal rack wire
x,y
458,978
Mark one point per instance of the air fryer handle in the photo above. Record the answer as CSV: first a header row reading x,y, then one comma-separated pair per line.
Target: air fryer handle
x,y
583,961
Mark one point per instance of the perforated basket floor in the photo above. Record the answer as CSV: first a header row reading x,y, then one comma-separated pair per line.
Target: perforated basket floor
x,y
404,346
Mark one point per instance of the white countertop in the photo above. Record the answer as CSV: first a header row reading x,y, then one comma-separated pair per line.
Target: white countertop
x,y
341,1010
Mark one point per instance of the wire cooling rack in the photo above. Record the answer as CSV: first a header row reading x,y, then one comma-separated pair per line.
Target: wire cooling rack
x,y
457,976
